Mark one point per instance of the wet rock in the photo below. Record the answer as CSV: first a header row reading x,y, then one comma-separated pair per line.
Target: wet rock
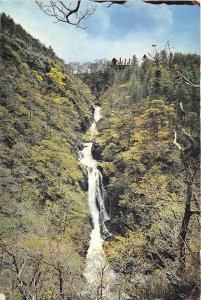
x,y
97,151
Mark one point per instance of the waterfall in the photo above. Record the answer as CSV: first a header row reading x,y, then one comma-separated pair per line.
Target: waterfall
x,y
97,272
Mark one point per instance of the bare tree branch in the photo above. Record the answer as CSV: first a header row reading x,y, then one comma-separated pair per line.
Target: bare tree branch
x,y
175,141
182,77
26,294
190,138
190,160
62,11
195,212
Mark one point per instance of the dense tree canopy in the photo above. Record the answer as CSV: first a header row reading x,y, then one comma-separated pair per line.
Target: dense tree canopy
x,y
152,184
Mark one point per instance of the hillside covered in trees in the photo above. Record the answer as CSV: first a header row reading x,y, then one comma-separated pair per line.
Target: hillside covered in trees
x,y
44,216
152,184
147,148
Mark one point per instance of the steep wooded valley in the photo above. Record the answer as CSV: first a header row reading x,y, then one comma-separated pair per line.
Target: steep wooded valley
x,y
147,149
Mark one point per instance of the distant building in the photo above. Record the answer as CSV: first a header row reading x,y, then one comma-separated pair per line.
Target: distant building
x,y
121,63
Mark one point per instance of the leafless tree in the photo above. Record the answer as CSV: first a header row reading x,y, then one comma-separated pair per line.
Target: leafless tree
x,y
182,78
190,160
32,274
70,12
65,11
17,266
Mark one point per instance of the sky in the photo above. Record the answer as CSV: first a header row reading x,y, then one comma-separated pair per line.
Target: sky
x,y
118,31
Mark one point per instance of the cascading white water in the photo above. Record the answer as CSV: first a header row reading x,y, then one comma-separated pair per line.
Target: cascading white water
x,y
97,272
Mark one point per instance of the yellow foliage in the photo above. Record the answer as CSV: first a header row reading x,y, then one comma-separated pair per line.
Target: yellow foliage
x,y
9,76
24,85
25,66
3,110
23,110
48,293
16,55
37,75
74,87
109,167
126,246
56,76
124,85
57,100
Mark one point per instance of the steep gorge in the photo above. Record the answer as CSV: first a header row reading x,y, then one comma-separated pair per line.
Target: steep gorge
x,y
45,218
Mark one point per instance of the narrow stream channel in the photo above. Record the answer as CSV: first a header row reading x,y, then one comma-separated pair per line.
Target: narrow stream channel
x,y
97,272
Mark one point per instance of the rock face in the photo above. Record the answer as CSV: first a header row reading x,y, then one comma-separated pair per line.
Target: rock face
x,y
2,297
97,150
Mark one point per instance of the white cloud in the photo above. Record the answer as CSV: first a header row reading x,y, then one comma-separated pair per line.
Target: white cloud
x,y
103,19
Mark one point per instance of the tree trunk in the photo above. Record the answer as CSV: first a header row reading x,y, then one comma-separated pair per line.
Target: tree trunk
x,y
185,224
61,285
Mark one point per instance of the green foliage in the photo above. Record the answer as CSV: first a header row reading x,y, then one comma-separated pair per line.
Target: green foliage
x,y
146,188
43,211
44,216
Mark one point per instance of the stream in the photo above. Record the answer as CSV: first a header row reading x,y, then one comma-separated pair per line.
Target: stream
x,y
100,278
